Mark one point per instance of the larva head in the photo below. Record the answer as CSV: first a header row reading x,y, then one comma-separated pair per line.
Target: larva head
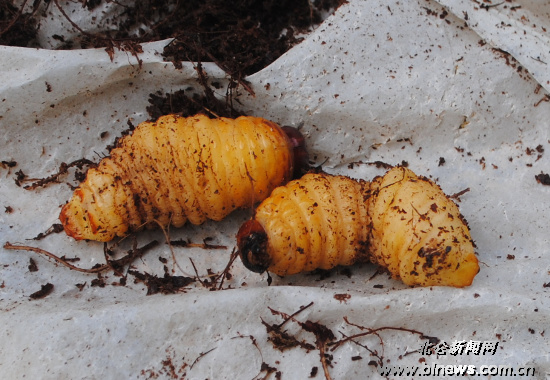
x,y
252,245
301,156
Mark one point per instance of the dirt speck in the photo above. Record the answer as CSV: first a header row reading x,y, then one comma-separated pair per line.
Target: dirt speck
x,y
45,290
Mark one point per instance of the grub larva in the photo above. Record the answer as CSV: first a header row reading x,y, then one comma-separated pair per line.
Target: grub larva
x,y
181,169
401,221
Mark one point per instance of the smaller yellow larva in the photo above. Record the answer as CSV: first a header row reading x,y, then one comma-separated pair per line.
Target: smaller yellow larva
x,y
400,221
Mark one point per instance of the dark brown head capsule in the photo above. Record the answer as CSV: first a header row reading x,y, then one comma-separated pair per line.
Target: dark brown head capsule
x,y
301,157
252,245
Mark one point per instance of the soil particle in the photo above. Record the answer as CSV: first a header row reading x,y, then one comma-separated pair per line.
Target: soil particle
x,y
44,291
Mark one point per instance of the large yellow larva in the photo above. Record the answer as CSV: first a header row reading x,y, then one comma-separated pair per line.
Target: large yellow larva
x,y
403,222
181,169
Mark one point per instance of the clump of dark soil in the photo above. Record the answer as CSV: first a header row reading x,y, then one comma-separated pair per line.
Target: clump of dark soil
x,y
16,28
242,36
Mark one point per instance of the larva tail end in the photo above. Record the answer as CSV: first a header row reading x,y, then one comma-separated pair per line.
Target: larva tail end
x,y
301,156
252,245
70,227
81,224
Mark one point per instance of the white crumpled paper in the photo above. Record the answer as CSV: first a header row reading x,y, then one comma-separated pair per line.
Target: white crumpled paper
x,y
440,88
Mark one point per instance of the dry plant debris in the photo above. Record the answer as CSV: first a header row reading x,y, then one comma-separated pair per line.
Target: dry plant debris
x,y
326,342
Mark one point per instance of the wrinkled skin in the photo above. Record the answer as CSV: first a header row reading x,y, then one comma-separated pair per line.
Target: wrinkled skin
x,y
177,170
400,221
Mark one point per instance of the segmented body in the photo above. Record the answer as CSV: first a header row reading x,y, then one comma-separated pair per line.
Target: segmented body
x,y
418,233
314,222
177,170
400,221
